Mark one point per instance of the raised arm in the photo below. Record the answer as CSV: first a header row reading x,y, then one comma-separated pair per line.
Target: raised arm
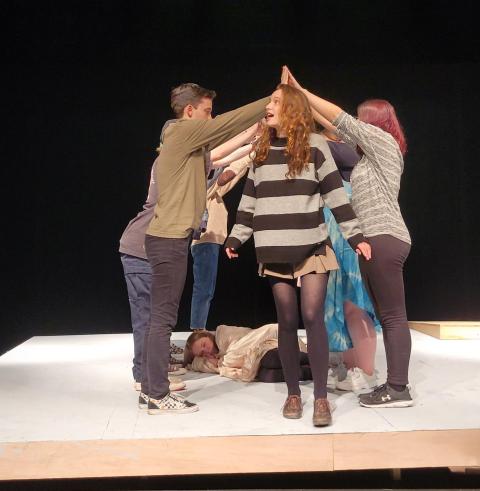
x,y
213,132
234,143
231,175
323,121
353,131
326,109
237,154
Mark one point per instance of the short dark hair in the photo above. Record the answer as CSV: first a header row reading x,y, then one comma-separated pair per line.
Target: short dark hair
x,y
188,93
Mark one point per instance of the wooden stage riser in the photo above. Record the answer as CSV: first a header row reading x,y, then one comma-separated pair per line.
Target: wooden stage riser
x,y
239,455
450,330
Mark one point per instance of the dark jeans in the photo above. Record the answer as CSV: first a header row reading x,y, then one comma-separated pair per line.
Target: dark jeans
x,y
138,276
383,278
205,265
168,259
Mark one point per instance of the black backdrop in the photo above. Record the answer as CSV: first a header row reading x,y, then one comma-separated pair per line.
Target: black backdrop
x,y
86,91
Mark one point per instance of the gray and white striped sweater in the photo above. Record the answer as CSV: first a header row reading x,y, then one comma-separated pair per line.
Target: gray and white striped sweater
x,y
375,179
286,215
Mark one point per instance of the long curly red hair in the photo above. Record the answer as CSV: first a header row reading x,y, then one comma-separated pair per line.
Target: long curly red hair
x,y
297,123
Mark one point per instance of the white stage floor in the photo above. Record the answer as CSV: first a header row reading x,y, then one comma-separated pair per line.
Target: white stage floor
x,y
71,388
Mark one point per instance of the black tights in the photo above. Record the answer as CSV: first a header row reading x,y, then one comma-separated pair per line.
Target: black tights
x,y
312,297
270,369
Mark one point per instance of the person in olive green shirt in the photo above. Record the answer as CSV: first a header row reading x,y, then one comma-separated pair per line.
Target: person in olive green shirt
x,y
181,186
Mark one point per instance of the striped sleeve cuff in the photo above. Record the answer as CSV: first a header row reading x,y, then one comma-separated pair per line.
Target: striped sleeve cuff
x,y
232,243
355,240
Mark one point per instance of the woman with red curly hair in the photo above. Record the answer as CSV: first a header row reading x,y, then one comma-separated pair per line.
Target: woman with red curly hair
x,y
379,138
292,176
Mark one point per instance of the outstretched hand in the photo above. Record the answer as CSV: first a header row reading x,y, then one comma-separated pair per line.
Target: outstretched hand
x,y
288,78
231,253
364,249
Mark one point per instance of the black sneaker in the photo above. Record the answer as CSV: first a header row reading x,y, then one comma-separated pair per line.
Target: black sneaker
x,y
386,396
171,403
142,400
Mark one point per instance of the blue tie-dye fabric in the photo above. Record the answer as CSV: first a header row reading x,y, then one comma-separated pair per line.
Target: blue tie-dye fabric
x,y
343,284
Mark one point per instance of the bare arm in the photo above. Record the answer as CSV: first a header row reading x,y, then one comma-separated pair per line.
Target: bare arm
x,y
237,154
322,121
324,112
324,108
231,145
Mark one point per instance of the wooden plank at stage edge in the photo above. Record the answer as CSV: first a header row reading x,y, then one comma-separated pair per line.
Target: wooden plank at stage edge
x,y
239,455
448,329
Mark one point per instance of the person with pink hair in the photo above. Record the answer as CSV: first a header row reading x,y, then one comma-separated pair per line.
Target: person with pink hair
x,y
378,136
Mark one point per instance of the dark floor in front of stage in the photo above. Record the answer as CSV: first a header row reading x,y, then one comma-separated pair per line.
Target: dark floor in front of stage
x,y
411,479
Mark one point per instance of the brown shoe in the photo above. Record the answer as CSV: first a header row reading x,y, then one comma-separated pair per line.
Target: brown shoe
x,y
321,413
293,409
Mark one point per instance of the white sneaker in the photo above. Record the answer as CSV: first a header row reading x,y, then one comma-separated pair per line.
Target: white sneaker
x,y
357,379
332,379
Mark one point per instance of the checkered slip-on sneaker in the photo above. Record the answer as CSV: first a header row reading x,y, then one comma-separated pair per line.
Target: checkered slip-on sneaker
x,y
171,403
386,396
142,400
175,350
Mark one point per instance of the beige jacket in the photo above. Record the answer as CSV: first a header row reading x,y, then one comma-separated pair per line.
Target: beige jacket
x,y
240,351
216,231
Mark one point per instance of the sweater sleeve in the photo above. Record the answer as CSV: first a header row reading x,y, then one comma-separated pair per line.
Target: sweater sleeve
x,y
198,133
239,168
335,197
243,228
375,143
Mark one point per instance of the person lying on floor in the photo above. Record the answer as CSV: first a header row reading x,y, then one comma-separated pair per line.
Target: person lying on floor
x,y
240,353
245,354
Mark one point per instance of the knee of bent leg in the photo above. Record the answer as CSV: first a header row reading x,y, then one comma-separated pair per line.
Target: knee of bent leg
x,y
312,316
349,309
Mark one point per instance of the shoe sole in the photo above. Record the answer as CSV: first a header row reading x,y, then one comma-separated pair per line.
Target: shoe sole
x,y
142,406
344,389
293,416
322,423
354,389
155,412
388,404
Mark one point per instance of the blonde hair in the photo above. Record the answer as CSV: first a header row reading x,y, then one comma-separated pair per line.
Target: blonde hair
x,y
296,121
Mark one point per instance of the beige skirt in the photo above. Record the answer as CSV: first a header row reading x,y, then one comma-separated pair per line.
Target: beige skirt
x,y
313,264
